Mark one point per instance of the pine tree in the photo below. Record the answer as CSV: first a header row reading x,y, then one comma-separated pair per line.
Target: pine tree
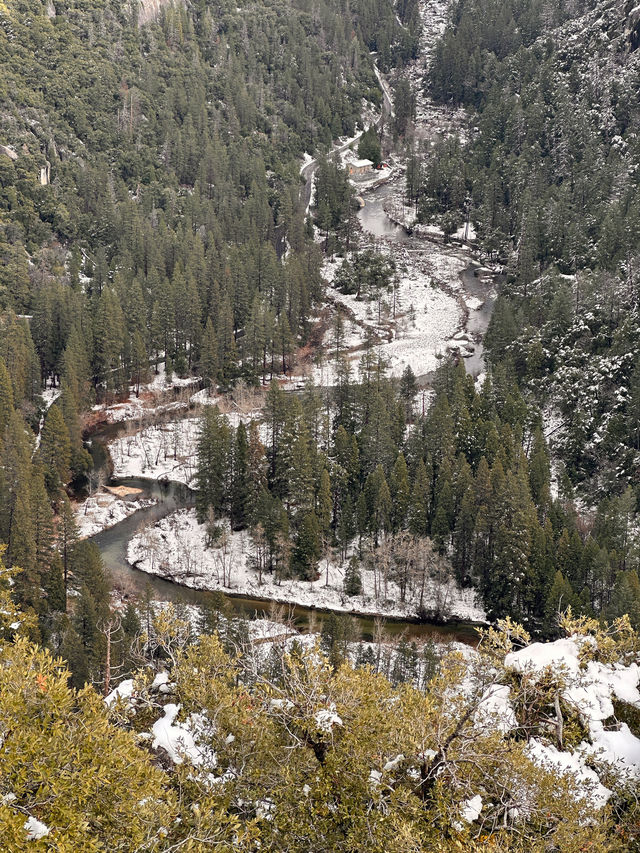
x,y
67,539
109,334
21,551
241,480
81,461
6,398
408,391
76,367
54,453
324,505
625,598
85,623
293,480
208,366
419,503
53,585
307,549
462,557
440,530
42,522
16,512
352,583
540,473
383,510
560,597
139,361
212,476
347,524
400,492
88,571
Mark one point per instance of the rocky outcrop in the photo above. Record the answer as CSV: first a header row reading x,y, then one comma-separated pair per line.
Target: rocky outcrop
x,y
150,10
632,25
8,152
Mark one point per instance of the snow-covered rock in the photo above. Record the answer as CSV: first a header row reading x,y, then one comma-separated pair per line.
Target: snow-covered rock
x,y
590,687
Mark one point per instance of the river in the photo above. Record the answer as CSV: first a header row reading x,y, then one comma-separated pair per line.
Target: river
x,y
131,582
169,496
376,223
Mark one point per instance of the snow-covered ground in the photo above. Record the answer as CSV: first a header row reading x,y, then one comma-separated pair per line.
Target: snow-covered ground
x,y
175,548
150,398
427,314
137,408
105,509
167,451
159,452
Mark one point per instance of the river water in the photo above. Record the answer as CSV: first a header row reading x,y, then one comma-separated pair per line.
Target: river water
x,y
133,583
374,221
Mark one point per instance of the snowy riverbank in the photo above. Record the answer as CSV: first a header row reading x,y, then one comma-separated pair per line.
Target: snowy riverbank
x,y
165,451
175,548
106,509
168,450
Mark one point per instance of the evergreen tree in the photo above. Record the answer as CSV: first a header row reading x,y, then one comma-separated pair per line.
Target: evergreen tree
x,y
400,492
419,503
67,539
324,505
209,357
6,398
241,480
307,548
54,453
81,461
212,476
139,361
352,583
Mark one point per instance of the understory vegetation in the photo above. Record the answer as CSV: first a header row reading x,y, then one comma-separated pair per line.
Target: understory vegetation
x,y
205,748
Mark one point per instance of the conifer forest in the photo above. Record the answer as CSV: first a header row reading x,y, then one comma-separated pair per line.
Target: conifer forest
x,y
319,426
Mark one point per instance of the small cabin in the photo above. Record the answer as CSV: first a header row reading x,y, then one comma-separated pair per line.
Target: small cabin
x,y
360,167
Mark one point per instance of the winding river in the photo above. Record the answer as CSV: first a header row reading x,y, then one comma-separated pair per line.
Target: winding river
x,y
133,583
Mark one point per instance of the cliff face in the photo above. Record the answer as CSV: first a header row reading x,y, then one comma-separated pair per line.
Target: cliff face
x,y
632,24
149,10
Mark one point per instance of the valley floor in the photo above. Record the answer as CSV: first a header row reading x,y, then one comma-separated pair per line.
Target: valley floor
x,y
175,548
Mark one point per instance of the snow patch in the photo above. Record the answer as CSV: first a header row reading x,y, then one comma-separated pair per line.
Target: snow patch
x,y
35,829
327,718
124,690
176,738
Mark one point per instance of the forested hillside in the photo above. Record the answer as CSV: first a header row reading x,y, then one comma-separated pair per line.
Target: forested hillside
x,y
149,190
549,176
551,173
204,348
152,213
168,156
